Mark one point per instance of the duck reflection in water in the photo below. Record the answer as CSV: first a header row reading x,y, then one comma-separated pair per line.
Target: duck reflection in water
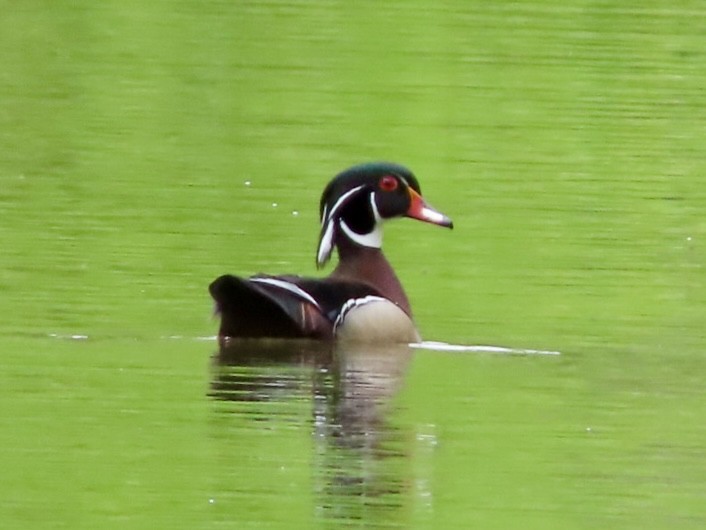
x,y
361,459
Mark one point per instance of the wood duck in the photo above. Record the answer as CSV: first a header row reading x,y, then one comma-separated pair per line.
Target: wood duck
x,y
362,299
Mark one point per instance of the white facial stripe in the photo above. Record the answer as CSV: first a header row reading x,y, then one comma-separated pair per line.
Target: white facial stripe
x,y
326,244
328,220
287,286
340,202
374,205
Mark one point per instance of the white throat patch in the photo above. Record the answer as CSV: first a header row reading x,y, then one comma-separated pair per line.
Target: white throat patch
x,y
371,239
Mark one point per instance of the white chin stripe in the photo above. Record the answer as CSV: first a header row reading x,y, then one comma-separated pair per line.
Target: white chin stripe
x,y
371,239
287,286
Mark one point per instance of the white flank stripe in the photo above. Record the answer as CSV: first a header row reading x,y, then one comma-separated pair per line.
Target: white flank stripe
x,y
288,286
352,304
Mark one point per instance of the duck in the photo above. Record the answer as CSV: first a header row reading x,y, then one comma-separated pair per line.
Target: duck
x,y
362,299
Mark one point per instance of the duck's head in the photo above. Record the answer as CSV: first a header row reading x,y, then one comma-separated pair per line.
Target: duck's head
x,y
357,201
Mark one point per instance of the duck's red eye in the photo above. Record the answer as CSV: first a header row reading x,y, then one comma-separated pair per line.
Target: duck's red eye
x,y
388,183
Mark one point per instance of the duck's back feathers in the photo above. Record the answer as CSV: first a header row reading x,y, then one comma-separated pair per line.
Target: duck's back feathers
x,y
249,309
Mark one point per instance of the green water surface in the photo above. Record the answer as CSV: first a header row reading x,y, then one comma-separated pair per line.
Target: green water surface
x,y
149,147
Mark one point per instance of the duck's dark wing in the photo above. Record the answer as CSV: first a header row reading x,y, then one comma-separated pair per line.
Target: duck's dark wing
x,y
259,309
281,306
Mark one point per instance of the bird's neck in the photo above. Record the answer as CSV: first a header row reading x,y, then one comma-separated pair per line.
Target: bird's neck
x,y
369,265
